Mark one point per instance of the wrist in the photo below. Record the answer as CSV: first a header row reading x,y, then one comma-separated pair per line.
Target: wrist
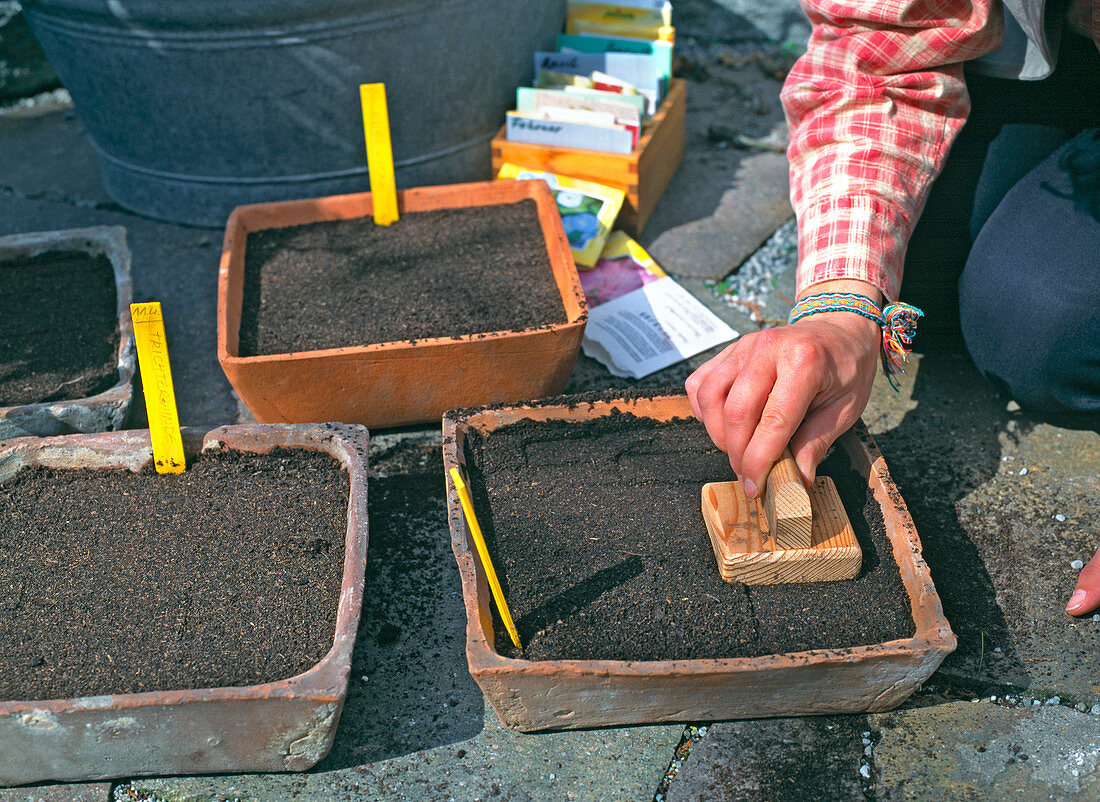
x,y
897,322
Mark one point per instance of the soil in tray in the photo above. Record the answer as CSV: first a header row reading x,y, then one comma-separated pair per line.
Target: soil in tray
x,y
114,582
597,533
442,273
59,333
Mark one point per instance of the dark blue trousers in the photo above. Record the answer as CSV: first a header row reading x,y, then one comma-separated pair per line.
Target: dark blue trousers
x,y
1007,252
1029,296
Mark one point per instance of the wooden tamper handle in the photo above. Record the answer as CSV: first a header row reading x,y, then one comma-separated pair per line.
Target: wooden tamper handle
x,y
787,505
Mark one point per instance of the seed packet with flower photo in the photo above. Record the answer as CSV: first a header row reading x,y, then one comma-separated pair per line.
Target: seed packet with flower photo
x,y
623,266
588,210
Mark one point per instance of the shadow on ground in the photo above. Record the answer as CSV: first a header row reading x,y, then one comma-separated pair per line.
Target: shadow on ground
x,y
944,449
410,689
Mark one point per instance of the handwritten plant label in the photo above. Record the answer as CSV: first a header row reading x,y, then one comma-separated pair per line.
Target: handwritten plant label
x,y
156,384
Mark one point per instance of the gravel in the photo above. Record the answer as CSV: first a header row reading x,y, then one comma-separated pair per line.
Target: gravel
x,y
750,286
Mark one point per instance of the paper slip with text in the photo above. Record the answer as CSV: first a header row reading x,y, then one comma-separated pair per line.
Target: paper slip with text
x,y
654,324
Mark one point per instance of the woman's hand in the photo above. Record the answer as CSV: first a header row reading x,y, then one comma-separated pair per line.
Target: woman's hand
x,y
805,383
1086,597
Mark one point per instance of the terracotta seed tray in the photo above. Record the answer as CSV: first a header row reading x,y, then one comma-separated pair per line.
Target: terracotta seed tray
x,y
567,694
400,383
287,725
106,410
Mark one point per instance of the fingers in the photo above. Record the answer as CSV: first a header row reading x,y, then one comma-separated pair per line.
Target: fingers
x,y
819,431
708,388
1086,597
781,416
693,382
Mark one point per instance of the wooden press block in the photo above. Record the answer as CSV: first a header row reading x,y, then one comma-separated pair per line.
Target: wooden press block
x,y
746,551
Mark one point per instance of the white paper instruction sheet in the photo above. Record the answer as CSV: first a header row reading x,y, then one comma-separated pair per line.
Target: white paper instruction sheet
x,y
650,328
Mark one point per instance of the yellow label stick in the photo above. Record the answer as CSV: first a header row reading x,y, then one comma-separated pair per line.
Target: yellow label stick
x,y
376,127
483,552
156,384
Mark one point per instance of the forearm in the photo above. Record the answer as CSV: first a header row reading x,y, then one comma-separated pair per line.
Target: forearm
x,y
873,107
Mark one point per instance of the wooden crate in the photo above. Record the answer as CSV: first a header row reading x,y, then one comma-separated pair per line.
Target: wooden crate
x,y
643,173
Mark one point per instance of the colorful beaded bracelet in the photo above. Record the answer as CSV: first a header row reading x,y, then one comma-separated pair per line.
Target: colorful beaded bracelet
x,y
898,323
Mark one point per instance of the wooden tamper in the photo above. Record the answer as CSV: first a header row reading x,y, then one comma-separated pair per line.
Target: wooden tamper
x,y
790,535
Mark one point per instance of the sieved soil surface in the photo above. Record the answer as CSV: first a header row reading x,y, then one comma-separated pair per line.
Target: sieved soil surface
x,y
596,531
114,582
59,334
443,273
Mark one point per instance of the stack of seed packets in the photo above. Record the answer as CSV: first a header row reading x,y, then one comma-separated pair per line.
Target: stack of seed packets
x,y
640,320
607,77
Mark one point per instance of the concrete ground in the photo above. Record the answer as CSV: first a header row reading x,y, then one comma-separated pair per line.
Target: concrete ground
x,y
1003,504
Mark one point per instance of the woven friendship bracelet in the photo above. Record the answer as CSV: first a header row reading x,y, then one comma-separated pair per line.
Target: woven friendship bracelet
x,y
897,321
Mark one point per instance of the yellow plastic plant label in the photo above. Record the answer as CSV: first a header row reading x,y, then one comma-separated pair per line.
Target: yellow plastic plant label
x,y
483,553
156,384
376,128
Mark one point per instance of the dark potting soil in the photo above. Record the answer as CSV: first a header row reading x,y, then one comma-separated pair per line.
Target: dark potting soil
x,y
59,333
442,273
596,531
114,582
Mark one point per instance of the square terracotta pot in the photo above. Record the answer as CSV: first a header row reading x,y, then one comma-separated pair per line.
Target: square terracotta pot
x,y
104,411
567,694
399,383
286,725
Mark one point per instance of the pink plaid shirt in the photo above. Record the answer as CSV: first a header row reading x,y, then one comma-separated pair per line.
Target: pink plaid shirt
x,y
873,107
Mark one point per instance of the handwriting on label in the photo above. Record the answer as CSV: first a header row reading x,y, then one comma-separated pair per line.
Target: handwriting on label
x,y
156,383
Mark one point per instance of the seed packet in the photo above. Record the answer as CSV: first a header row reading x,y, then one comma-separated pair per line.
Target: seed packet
x,y
588,210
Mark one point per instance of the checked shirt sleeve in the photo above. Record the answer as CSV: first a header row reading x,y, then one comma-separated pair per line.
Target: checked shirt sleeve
x,y
873,107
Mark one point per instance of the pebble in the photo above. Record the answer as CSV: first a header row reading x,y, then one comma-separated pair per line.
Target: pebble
x,y
867,751
1023,471
1060,518
1036,703
866,741
865,772
1095,710
997,649
866,735
1076,565
1054,700
1080,707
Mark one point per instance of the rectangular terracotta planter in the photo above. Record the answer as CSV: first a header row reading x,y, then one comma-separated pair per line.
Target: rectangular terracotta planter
x,y
567,694
400,383
287,725
643,174
104,411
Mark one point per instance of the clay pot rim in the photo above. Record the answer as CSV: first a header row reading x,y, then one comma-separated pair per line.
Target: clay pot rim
x,y
109,241
248,218
326,680
936,637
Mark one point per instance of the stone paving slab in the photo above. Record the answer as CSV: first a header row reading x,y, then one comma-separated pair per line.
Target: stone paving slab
x,y
984,483
980,750
70,792
724,201
780,760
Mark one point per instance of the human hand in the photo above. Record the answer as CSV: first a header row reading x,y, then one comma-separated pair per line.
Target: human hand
x,y
805,383
1086,597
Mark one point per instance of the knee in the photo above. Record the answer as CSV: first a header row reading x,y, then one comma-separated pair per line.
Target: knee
x,y
1043,355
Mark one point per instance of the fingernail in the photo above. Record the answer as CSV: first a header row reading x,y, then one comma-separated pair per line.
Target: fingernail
x,y
1076,600
750,488
806,472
